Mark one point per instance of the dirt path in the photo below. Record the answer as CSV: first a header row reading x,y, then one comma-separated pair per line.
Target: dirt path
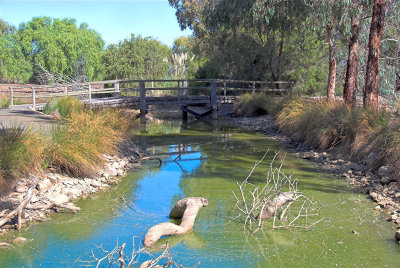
x,y
22,115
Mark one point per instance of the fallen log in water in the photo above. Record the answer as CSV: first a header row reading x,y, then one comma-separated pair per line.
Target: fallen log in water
x,y
185,209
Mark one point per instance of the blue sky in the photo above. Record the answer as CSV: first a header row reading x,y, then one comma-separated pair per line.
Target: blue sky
x,y
113,20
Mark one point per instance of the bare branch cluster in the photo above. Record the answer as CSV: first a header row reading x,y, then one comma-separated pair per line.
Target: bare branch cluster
x,y
278,198
117,258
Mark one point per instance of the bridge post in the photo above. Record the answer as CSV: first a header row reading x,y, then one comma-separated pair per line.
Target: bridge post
x,y
213,99
11,96
116,88
142,88
254,88
90,93
65,90
33,98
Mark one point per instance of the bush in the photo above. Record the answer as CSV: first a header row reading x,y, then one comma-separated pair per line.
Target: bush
x,y
4,102
65,105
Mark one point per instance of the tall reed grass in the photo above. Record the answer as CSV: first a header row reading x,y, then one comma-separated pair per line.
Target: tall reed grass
x,y
22,151
258,104
75,147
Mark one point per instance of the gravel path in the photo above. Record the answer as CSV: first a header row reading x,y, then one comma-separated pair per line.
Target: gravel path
x,y
22,115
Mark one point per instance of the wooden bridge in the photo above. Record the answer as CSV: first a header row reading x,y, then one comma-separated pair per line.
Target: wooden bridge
x,y
141,94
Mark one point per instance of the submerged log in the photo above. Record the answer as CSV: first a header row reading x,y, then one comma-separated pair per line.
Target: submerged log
x,y
185,209
273,206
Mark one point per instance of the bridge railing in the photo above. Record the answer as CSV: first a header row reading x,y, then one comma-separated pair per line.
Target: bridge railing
x,y
219,90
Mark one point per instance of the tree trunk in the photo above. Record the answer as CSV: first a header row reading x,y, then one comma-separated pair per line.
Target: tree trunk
x,y
350,85
278,64
398,66
370,94
330,92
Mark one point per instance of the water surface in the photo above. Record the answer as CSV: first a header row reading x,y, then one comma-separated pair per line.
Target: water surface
x,y
217,156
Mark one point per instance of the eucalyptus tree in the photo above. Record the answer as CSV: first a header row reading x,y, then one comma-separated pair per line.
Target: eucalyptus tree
x,y
370,93
246,38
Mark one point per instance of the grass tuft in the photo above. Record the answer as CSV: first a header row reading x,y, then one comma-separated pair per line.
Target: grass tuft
x,y
65,105
22,150
79,143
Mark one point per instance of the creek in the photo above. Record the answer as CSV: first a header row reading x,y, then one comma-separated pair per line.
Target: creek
x,y
216,156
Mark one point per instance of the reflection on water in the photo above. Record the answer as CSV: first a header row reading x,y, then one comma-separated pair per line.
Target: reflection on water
x,y
206,159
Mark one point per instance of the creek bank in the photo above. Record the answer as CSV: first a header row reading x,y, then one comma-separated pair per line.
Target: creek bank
x,y
379,184
54,192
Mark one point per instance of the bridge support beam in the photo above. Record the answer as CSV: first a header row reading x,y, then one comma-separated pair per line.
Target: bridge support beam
x,y
142,88
213,99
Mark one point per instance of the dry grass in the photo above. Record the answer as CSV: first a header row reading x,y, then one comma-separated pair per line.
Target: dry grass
x,y
22,150
78,145
75,147
361,133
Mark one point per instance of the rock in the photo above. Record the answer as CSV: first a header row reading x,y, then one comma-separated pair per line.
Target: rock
x,y
44,185
385,171
356,167
95,183
397,235
355,232
385,180
20,240
55,115
60,198
20,188
378,208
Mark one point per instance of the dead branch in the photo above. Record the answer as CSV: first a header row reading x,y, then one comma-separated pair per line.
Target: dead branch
x,y
260,203
116,257
71,207
19,209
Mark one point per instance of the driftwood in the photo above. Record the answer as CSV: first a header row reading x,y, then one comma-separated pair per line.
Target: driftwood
x,y
185,209
71,207
19,209
272,207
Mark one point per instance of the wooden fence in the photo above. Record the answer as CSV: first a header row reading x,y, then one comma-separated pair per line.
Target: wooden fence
x,y
139,93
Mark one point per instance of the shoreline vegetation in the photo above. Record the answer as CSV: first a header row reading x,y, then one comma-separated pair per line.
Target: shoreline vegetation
x,y
359,144
83,154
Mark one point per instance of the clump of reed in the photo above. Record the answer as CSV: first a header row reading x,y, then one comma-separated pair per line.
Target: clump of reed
x,y
359,132
78,144
75,147
22,151
65,106
4,101
258,104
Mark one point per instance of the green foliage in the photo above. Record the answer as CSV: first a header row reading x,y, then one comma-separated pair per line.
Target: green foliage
x,y
14,67
65,105
59,44
137,58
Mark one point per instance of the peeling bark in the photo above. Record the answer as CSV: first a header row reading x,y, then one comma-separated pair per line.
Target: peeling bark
x,y
370,93
350,85
330,92
185,209
398,66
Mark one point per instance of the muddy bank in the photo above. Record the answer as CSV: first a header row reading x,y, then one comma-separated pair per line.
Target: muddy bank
x,y
379,184
56,192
